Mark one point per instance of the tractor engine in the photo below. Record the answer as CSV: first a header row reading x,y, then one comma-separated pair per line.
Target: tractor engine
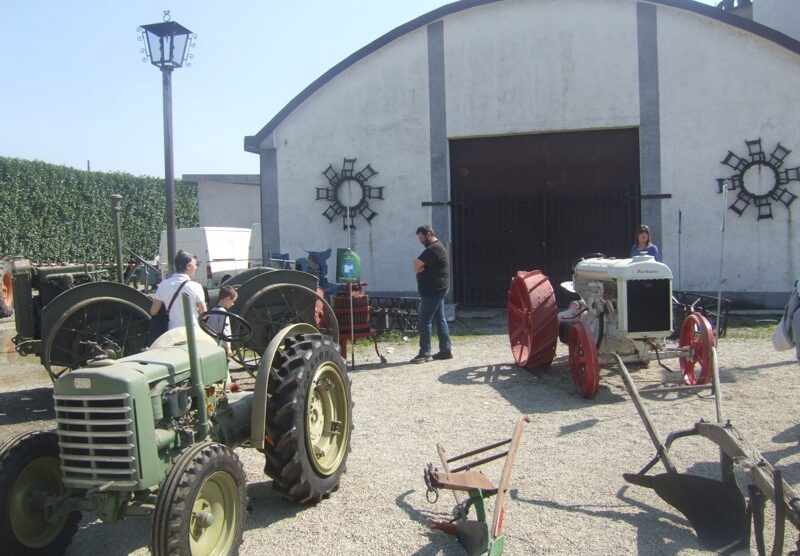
x,y
120,423
625,303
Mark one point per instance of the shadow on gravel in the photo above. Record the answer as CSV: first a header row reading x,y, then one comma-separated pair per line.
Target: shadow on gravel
x,y
529,391
440,542
789,364
265,506
673,540
25,406
122,537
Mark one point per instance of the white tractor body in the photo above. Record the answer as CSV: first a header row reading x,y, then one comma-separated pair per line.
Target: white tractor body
x,y
626,304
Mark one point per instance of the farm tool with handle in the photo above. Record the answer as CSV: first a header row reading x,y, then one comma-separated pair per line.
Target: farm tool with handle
x,y
475,535
717,509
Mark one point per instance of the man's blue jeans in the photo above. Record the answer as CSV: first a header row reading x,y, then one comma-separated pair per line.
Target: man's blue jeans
x,y
431,309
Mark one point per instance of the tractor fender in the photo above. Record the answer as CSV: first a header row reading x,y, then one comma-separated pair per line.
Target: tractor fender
x,y
258,415
91,290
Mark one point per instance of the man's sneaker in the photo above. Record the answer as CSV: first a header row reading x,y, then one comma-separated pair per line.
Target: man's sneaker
x,y
443,355
421,358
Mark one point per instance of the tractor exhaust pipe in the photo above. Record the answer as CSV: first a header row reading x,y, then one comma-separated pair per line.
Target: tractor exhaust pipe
x,y
116,207
198,390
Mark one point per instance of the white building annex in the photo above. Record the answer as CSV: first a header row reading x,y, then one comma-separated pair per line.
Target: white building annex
x,y
530,132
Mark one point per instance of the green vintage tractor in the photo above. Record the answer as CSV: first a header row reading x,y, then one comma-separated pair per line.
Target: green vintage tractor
x,y
153,434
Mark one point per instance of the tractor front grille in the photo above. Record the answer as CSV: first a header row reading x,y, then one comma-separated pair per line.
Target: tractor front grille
x,y
650,305
96,441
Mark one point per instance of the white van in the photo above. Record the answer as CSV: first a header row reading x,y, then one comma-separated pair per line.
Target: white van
x,y
220,252
255,245
256,257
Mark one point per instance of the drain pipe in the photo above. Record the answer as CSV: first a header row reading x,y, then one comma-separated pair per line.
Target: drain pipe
x,y
198,390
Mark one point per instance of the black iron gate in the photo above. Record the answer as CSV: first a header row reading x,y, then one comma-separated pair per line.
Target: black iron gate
x,y
539,201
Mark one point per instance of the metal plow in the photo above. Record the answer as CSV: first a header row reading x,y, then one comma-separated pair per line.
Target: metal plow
x,y
475,535
716,508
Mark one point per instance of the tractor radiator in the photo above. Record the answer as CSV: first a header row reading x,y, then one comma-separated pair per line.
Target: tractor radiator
x,y
649,305
96,441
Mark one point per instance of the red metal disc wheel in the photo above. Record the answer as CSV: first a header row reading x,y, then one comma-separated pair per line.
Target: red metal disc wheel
x,y
697,334
583,361
532,320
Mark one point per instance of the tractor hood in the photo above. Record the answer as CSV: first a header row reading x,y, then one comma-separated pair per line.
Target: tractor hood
x,y
142,369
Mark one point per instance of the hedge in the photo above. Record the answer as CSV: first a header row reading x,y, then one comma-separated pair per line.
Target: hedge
x,y
51,213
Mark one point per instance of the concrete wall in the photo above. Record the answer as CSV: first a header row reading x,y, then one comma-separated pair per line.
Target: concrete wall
x,y
694,85
376,112
227,200
783,15
720,87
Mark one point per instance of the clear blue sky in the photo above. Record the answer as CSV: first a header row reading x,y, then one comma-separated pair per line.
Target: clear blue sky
x,y
75,87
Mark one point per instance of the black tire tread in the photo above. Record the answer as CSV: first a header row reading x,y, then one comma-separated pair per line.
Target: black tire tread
x,y
286,460
169,534
20,448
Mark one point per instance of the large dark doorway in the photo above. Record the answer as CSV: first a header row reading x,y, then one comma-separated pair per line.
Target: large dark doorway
x,y
526,202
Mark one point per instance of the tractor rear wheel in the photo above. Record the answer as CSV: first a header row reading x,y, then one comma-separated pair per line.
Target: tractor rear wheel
x,y
29,473
696,334
583,361
6,295
532,320
201,506
309,419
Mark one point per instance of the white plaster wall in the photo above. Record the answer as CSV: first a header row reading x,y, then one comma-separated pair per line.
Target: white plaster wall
x,y
226,204
524,66
718,87
377,112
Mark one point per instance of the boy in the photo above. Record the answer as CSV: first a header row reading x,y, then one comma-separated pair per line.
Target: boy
x,y
220,323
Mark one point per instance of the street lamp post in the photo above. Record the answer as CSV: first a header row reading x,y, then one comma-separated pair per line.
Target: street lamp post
x,y
167,47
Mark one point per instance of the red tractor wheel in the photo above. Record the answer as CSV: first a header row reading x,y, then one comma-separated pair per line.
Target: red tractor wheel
x,y
583,361
6,294
532,320
696,334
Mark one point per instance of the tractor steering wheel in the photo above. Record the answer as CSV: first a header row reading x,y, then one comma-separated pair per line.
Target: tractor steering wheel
x,y
241,336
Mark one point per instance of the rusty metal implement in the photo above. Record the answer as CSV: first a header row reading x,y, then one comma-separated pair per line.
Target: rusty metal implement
x,y
717,509
475,535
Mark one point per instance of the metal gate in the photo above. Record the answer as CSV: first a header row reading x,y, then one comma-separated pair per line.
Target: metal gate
x,y
539,201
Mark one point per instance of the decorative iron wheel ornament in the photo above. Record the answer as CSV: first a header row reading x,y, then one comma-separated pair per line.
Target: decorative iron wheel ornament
x,y
349,193
759,180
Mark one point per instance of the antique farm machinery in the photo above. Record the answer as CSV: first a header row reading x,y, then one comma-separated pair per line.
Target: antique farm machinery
x,y
67,315
475,535
624,308
716,509
153,434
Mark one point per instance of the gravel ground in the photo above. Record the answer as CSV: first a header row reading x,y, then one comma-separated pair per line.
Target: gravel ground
x,y
567,493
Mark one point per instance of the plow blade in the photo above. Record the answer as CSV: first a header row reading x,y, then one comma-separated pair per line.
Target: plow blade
x,y
716,510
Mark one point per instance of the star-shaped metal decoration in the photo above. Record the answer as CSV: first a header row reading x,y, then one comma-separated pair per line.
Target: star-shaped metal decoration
x,y
349,193
758,179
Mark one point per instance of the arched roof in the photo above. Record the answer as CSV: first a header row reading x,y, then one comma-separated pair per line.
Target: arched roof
x,y
252,142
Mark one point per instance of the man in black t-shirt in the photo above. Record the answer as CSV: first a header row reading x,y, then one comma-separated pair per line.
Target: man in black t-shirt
x,y
433,278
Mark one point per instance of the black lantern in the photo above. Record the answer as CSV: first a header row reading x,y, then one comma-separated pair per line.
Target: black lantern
x,y
166,44
167,47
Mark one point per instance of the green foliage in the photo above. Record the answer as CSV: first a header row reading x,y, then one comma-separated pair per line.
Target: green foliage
x,y
59,214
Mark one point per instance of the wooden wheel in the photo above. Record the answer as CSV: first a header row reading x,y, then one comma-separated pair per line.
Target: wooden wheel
x,y
532,320
698,336
583,361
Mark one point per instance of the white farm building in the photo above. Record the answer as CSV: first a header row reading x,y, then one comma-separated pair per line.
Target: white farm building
x,y
530,132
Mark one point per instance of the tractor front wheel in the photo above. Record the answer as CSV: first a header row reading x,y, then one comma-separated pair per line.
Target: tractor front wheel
x,y
200,509
583,361
697,335
309,419
29,474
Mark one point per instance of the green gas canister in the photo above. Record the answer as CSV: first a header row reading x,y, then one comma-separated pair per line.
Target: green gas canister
x,y
348,266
